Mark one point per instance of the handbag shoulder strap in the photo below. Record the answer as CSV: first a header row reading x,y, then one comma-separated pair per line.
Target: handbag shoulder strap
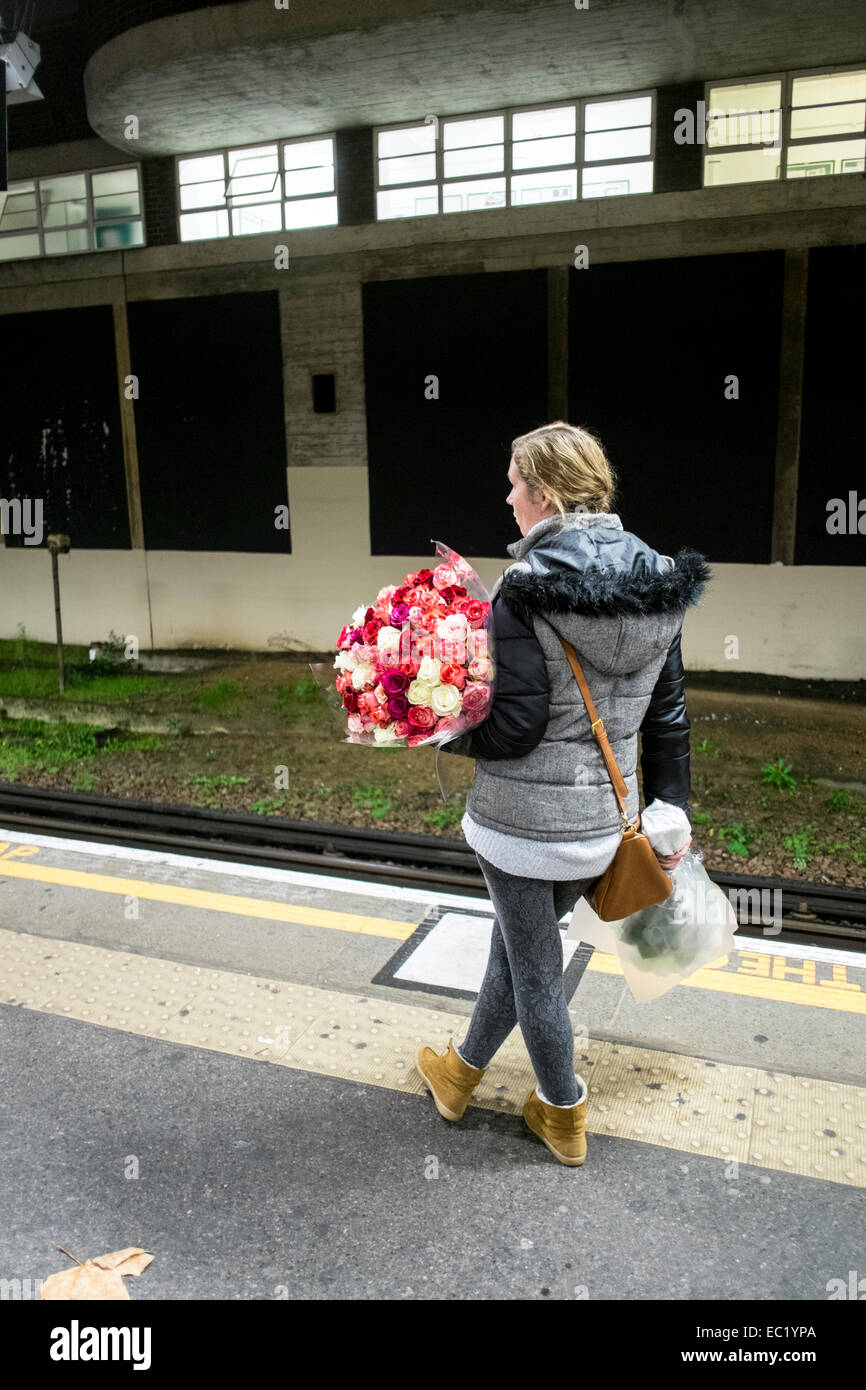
x,y
619,786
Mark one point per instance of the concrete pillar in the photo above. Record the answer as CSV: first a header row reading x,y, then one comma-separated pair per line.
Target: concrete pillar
x,y
677,167
123,358
790,406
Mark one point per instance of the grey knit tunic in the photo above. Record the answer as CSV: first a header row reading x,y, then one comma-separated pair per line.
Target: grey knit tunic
x,y
557,859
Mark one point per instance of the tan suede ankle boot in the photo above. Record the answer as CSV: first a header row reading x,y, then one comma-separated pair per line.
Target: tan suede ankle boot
x,y
563,1130
449,1079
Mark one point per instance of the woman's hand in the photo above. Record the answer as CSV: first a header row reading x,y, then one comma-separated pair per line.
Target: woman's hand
x,y
670,861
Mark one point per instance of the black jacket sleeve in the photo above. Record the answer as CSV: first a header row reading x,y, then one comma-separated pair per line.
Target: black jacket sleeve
x,y
664,757
520,710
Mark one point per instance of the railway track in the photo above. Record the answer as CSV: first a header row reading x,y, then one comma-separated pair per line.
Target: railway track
x,y
814,913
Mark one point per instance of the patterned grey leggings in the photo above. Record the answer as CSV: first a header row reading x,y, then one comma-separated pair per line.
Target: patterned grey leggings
x,y
523,983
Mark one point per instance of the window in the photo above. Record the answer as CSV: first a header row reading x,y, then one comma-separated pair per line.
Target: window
x,y
541,154
258,188
98,210
791,125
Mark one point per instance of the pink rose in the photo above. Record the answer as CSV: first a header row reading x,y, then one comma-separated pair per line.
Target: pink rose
x,y
398,706
453,653
443,575
355,724
415,739
475,697
402,727
481,668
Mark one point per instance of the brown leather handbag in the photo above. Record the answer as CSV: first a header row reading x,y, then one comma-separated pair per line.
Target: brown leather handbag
x,y
634,879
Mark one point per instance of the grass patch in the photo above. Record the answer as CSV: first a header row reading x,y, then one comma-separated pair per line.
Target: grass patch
x,y
300,699
221,698
81,683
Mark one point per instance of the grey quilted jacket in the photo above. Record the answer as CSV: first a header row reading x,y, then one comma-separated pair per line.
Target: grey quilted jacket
x,y
539,770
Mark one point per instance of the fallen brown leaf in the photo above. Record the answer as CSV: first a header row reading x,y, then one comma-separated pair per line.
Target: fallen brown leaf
x,y
101,1278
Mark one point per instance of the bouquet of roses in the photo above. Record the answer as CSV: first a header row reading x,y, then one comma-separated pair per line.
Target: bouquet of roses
x,y
416,667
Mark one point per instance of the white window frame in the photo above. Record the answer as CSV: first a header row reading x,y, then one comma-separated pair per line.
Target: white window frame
x,y
90,222
226,204
786,142
581,164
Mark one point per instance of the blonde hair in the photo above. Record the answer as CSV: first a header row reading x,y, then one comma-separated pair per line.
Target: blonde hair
x,y
569,463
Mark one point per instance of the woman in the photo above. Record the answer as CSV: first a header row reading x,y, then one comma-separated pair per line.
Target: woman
x,y
542,815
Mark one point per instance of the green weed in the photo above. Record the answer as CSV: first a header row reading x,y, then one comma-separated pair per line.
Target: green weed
x,y
444,817
735,838
372,799
779,774
802,846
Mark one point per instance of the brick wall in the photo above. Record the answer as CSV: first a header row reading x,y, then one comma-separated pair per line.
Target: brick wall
x,y
160,201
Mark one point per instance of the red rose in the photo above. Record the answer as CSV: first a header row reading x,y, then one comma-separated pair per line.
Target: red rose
x,y
421,717
371,627
475,611
424,576
453,675
350,701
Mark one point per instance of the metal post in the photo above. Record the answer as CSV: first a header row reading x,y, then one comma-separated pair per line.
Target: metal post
x,y
58,545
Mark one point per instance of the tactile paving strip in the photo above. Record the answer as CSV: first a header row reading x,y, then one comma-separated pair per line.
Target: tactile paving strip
x,y
793,1124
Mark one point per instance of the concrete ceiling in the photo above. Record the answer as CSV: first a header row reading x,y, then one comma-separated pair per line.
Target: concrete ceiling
x,y
239,73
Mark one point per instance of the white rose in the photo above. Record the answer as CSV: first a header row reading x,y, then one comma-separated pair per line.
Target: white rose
x,y
363,675
345,662
385,734
453,628
387,638
358,616
446,699
430,670
419,693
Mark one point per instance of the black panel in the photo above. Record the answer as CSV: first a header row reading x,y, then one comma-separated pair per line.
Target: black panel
x,y
60,436
650,346
832,437
324,393
438,467
210,422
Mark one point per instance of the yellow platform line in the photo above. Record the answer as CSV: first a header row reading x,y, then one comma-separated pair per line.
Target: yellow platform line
x,y
839,996
209,901
736,1114
752,987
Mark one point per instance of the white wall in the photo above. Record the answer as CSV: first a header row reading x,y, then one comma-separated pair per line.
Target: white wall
x,y
805,621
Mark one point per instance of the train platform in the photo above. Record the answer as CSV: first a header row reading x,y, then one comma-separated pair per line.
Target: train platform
x,y
215,1061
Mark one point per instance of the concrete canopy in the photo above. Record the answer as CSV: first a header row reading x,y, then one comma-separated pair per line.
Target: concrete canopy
x,y
238,73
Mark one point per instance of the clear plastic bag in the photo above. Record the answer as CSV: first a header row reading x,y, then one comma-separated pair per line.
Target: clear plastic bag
x,y
664,944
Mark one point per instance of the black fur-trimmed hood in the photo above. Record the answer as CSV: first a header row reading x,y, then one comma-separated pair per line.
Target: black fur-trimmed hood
x,y
585,563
